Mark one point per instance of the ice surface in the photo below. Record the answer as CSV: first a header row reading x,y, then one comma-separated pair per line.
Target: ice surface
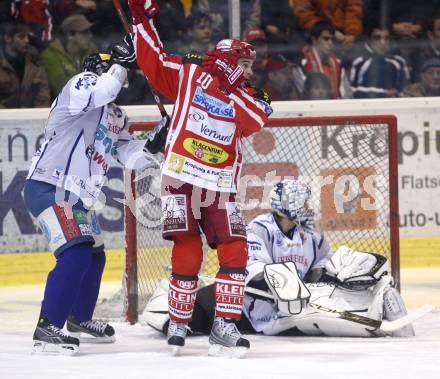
x,y
141,352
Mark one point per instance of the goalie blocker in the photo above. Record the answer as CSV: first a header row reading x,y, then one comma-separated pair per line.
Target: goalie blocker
x,y
360,286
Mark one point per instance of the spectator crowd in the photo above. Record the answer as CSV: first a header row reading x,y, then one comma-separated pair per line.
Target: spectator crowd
x,y
306,49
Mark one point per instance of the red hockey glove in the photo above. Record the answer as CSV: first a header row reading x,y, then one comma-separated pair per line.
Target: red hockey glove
x,y
230,75
142,10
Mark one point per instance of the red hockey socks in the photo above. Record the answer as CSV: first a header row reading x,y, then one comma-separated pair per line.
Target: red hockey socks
x,y
229,293
181,297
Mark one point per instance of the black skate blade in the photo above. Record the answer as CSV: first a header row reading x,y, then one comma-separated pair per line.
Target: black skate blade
x,y
46,348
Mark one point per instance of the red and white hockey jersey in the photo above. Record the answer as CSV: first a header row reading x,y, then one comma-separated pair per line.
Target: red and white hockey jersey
x,y
204,145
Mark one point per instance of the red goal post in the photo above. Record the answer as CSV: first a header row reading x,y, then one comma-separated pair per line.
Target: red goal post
x,y
350,163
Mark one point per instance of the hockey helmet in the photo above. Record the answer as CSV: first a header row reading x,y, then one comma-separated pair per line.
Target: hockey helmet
x,y
289,198
234,49
97,63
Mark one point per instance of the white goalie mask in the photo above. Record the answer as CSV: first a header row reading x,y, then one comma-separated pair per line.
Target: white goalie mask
x,y
289,198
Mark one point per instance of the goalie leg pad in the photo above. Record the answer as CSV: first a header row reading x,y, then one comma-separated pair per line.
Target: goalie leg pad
x,y
229,292
286,286
394,308
155,313
181,297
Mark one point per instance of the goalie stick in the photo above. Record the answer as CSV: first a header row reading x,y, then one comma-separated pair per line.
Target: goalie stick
x,y
384,325
128,30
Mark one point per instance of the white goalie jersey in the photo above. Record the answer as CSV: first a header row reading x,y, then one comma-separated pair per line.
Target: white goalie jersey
x,y
268,244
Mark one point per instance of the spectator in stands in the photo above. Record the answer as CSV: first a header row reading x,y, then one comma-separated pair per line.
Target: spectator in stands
x,y
198,35
62,58
23,82
61,9
317,87
281,28
35,13
344,15
431,47
257,38
377,72
433,34
250,13
429,84
170,23
318,56
273,72
286,83
407,19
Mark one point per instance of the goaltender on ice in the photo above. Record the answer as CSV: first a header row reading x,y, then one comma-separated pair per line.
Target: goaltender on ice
x,y
214,110
294,280
85,132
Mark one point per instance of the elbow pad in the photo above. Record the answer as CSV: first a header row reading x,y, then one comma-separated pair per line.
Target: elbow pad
x,y
109,84
118,72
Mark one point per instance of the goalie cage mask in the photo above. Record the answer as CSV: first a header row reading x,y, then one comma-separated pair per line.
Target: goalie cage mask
x,y
289,198
97,63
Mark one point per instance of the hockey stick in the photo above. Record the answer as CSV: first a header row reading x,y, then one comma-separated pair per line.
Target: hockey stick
x,y
384,325
128,30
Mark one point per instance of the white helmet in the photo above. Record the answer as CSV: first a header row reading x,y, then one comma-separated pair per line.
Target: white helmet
x,y
289,198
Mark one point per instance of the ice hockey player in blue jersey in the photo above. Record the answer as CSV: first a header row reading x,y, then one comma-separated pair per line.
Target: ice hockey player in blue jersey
x,y
84,133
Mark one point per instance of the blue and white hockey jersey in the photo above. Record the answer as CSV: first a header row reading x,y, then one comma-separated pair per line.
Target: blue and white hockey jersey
x,y
85,131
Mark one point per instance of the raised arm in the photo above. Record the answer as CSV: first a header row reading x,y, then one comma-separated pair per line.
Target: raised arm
x,y
161,70
253,110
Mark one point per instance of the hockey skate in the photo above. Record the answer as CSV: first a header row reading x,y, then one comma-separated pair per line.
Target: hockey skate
x,y
49,339
92,331
176,335
226,340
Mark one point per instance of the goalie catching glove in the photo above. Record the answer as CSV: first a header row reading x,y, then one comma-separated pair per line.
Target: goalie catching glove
x,y
157,138
289,291
354,269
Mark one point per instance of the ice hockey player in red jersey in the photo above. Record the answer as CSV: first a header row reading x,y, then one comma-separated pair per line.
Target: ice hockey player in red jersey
x,y
213,111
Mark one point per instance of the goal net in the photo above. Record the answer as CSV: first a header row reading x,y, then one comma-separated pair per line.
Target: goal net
x,y
350,164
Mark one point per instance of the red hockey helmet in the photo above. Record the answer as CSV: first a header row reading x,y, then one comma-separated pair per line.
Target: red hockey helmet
x,y
234,49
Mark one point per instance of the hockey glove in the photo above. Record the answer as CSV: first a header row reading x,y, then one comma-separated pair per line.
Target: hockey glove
x,y
158,137
263,97
262,94
123,53
355,269
141,10
230,75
